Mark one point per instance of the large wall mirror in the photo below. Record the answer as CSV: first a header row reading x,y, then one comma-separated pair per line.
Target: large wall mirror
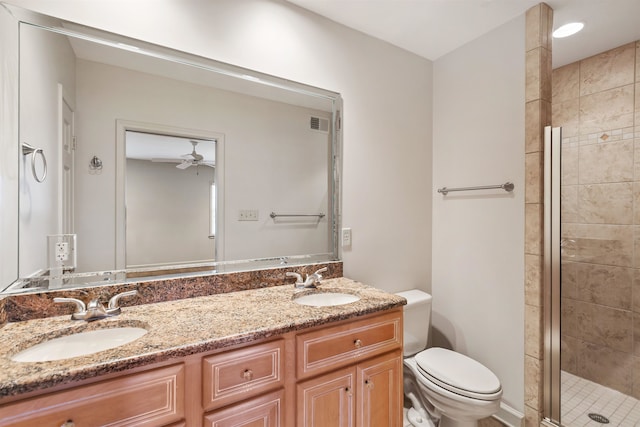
x,y
134,160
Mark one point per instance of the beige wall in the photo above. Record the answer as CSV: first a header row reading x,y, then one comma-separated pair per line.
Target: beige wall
x,y
265,130
40,210
478,298
597,103
180,234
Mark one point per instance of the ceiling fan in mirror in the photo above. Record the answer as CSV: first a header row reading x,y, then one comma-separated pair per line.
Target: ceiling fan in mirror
x,y
190,159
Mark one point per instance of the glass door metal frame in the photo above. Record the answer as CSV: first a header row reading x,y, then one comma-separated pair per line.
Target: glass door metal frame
x,y
551,273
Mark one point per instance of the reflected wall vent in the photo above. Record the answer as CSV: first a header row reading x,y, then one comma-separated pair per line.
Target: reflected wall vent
x,y
319,124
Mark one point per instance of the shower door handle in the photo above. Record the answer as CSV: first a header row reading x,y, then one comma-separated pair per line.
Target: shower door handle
x,y
551,270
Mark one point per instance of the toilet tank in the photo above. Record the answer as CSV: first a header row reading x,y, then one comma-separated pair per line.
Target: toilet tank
x,y
417,320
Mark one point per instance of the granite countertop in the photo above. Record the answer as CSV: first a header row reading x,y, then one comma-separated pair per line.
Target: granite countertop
x,y
177,328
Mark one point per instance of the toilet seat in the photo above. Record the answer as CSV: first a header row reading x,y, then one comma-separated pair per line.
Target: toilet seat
x,y
458,374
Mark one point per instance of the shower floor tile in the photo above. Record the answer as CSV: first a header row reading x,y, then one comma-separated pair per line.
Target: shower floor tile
x,y
580,397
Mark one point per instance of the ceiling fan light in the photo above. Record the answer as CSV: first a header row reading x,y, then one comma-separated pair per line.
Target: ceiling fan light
x,y
567,30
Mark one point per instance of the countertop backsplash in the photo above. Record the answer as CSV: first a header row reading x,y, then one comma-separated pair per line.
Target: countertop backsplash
x,y
16,308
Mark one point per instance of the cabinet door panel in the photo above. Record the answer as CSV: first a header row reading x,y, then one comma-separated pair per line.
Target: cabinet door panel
x,y
327,400
380,392
264,411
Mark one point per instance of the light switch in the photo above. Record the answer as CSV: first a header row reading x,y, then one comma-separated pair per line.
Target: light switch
x,y
346,237
248,215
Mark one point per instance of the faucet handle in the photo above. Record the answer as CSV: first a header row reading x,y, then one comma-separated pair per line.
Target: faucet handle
x,y
113,302
94,304
322,270
80,306
296,275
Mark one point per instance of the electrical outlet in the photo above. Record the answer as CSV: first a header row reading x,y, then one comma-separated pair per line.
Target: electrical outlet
x,y
62,251
248,215
346,237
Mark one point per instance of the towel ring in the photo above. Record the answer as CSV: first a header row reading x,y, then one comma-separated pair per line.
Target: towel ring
x,y
29,149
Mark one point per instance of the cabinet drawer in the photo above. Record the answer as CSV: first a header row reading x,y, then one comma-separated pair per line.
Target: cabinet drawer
x,y
333,347
265,411
243,373
150,398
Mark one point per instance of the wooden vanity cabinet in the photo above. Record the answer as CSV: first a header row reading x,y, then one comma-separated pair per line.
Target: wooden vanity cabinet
x,y
354,371
348,373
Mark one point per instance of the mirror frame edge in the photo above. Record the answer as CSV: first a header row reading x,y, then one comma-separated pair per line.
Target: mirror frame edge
x,y
9,188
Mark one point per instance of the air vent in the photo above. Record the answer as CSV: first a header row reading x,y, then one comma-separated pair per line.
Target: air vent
x,y
319,124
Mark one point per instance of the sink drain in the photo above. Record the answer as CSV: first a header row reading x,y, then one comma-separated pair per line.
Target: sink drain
x,y
599,418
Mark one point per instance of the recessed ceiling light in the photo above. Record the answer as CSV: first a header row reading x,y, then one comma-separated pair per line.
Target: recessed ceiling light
x,y
568,30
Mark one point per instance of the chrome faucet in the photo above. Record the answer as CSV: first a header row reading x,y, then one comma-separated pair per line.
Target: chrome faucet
x,y
95,310
311,281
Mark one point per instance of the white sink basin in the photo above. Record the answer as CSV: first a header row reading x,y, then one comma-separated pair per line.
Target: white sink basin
x,y
326,299
79,344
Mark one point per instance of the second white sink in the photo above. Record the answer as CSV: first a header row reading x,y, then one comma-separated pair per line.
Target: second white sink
x,y
326,299
79,344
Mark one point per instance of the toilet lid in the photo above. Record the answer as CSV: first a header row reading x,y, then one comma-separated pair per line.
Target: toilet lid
x,y
458,373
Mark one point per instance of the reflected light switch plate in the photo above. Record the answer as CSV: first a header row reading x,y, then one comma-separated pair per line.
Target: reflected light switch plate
x,y
248,215
346,237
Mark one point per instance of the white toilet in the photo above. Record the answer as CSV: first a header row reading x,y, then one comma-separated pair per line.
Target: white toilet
x,y
440,383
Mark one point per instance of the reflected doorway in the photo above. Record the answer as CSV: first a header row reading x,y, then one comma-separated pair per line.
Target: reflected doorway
x,y
168,199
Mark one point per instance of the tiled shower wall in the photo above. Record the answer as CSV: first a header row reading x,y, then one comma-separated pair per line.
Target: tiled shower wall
x,y
539,21
597,103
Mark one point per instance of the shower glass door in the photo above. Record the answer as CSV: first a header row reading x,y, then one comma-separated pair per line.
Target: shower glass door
x,y
592,242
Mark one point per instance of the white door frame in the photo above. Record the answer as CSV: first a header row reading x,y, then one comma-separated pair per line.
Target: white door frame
x,y
66,151
122,126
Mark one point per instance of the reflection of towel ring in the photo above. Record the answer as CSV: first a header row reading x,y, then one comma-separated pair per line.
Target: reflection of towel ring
x,y
28,149
95,164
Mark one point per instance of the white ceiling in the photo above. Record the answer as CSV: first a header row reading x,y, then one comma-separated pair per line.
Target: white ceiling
x,y
433,28
147,146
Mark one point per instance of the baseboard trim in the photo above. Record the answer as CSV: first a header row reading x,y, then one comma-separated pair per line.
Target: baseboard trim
x,y
509,416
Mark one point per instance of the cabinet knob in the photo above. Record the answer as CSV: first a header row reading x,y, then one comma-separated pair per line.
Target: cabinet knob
x,y
368,383
348,391
248,374
68,423
357,343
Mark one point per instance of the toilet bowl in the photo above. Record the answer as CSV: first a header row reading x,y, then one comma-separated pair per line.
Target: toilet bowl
x,y
440,383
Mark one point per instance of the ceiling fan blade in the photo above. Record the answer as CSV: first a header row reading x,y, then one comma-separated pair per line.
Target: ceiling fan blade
x,y
192,156
184,165
161,160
